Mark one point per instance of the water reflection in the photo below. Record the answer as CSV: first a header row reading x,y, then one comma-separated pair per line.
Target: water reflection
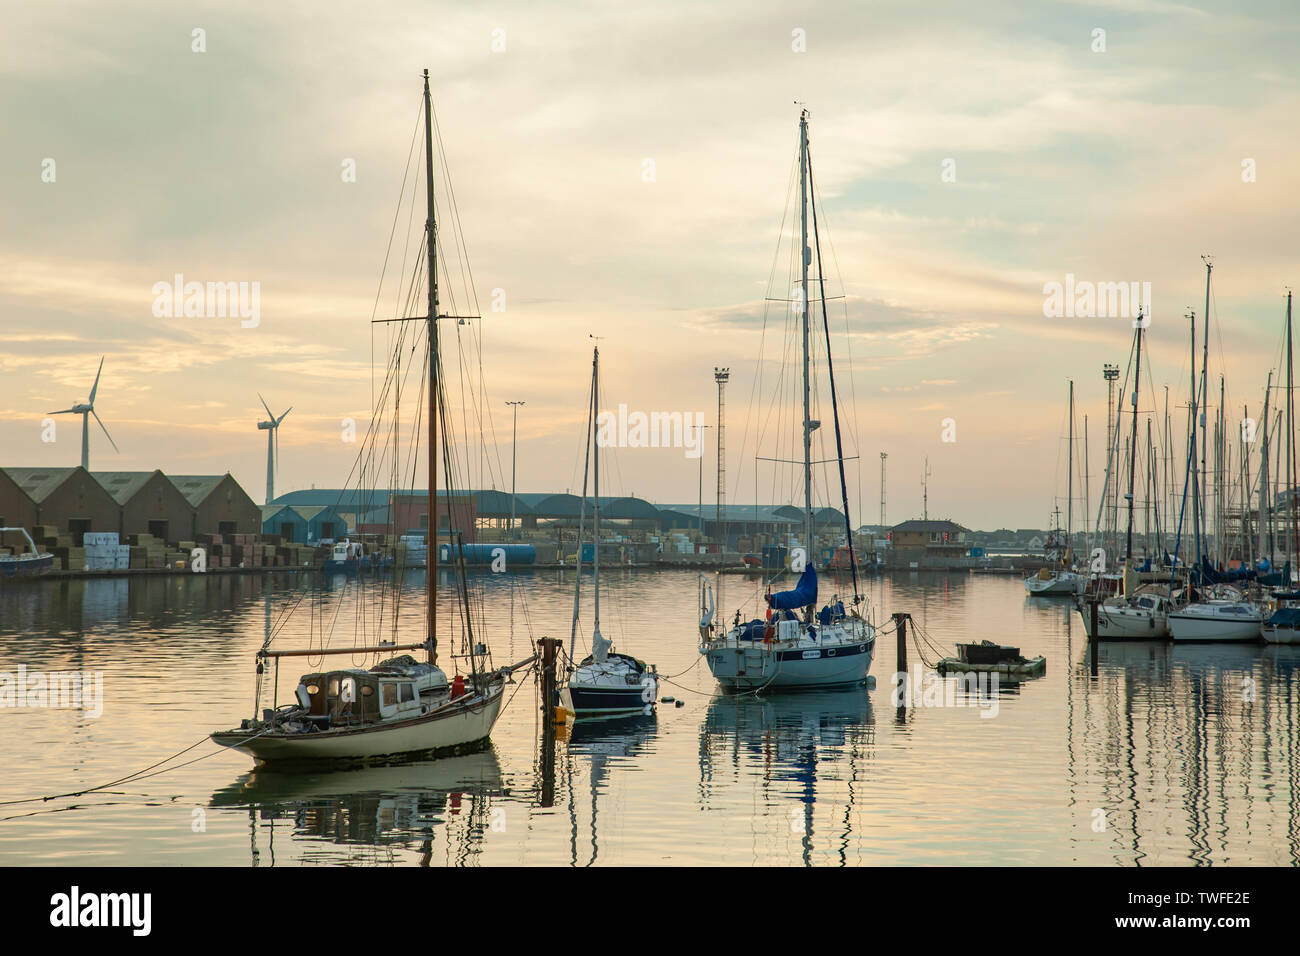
x,y
602,745
362,809
795,744
1187,753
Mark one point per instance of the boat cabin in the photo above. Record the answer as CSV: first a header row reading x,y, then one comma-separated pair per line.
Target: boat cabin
x,y
356,696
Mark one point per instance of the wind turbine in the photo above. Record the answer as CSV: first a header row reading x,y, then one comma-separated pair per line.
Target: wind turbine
x,y
85,411
272,429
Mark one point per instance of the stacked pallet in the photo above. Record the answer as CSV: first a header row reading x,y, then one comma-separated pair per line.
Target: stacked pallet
x,y
295,556
104,552
147,552
69,558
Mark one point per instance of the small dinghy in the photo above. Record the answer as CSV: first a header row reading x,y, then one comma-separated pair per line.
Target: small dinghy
x,y
989,658
25,564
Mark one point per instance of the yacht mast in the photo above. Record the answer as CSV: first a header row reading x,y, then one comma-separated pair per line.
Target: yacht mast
x,y
1191,457
598,644
431,239
1069,484
1264,517
1290,438
1205,397
805,254
1132,457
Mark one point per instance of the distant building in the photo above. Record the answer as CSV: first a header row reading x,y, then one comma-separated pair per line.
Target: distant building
x,y
68,498
17,509
457,514
149,504
287,522
220,505
917,539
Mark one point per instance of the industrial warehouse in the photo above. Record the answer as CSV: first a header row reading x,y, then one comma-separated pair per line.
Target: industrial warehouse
x,y
115,521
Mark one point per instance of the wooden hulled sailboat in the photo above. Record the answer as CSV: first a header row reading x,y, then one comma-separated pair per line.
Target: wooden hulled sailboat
x,y
401,706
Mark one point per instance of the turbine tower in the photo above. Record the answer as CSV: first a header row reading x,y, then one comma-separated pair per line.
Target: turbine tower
x,y
272,429
85,411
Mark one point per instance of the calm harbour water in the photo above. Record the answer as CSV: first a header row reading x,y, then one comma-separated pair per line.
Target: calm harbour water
x,y
1169,755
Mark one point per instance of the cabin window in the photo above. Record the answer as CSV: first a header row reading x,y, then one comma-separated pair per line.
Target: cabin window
x,y
313,689
367,690
334,686
390,695
408,693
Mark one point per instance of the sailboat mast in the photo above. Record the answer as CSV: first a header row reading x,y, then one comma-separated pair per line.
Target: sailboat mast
x,y
431,238
1191,457
1205,396
1290,437
1264,517
1086,498
595,472
1133,445
805,254
1069,483
582,510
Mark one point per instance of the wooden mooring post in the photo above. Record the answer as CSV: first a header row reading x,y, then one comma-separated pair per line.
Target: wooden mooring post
x,y
550,647
900,668
1094,638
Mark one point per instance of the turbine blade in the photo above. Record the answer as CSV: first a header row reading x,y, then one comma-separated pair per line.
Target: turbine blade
x,y
106,434
266,406
282,417
64,411
95,388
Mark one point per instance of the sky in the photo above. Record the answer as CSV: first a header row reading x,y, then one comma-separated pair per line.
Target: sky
x,y
965,155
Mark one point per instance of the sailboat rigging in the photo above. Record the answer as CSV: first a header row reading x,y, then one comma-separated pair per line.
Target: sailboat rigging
x,y
399,707
797,646
604,683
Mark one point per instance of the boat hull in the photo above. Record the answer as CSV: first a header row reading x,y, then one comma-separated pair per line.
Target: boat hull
x,y
606,701
1206,630
754,665
1279,635
25,566
455,727
1125,624
1063,584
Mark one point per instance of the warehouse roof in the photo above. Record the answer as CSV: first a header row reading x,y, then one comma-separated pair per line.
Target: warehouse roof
x,y
39,483
196,488
765,514
123,485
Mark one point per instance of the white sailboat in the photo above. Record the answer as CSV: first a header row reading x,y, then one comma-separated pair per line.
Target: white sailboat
x,y
1223,614
1226,617
604,684
399,707
1143,616
1061,579
798,646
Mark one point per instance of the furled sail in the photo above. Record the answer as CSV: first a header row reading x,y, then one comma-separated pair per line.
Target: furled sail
x,y
804,593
